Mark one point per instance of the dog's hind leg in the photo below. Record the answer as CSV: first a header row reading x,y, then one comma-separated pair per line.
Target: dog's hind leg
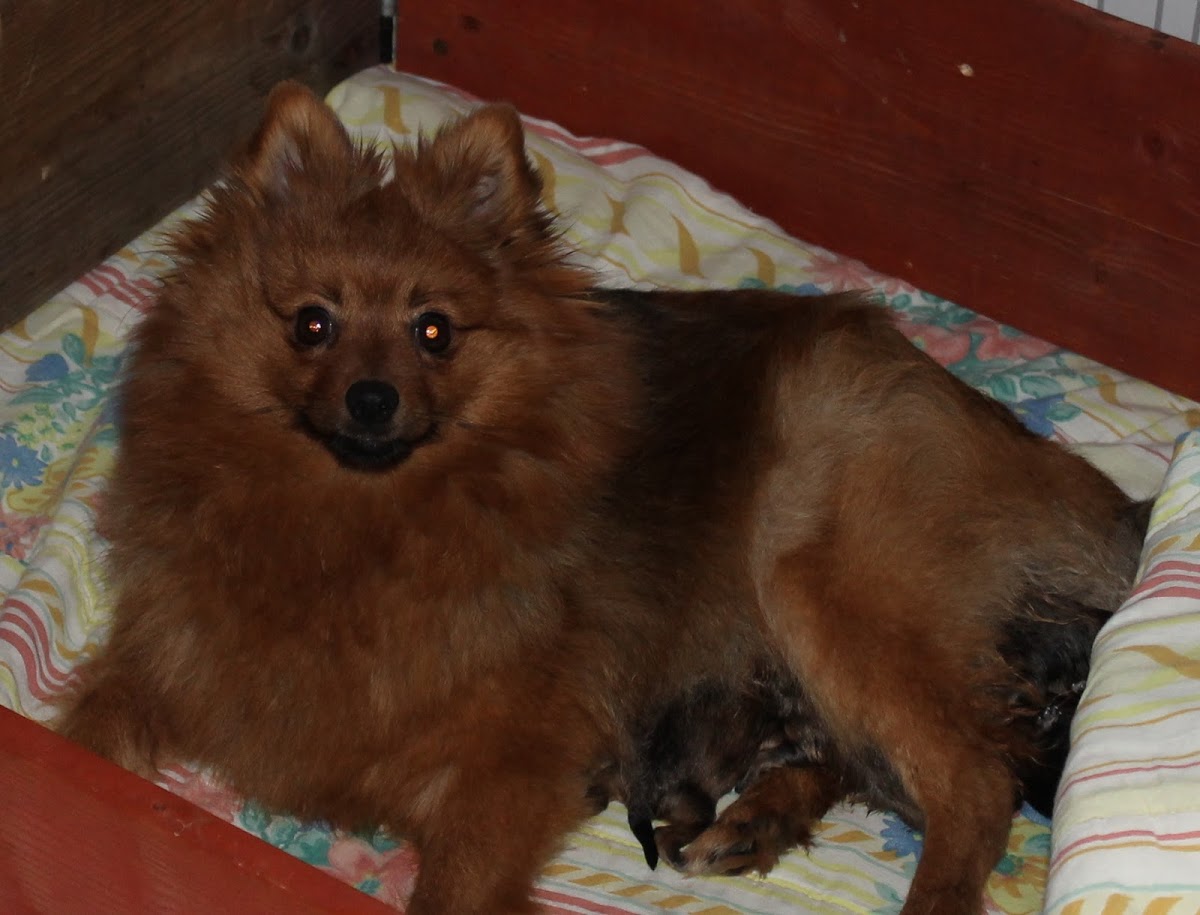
x,y
966,802
897,681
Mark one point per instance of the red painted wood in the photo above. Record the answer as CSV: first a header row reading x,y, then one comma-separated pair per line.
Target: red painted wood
x,y
1031,159
80,836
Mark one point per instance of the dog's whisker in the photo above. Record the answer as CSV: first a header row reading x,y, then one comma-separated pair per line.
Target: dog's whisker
x,y
472,425
268,409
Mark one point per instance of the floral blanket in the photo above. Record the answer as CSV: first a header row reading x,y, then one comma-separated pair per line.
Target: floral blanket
x,y
636,218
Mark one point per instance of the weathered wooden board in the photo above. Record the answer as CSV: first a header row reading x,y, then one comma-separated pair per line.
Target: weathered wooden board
x,y
112,113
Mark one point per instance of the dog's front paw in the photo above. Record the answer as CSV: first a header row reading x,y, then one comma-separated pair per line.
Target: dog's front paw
x,y
108,721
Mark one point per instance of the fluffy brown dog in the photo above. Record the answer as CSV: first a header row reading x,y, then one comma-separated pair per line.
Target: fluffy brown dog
x,y
409,526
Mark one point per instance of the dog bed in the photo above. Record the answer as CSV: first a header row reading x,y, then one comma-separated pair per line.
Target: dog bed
x,y
1130,810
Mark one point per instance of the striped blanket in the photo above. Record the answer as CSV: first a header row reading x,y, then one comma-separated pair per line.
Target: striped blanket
x,y
1131,810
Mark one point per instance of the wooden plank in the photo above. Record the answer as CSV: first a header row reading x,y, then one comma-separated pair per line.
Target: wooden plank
x,y
114,113
1031,159
79,835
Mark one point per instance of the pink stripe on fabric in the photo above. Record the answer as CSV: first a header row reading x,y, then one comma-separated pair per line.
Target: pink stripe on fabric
x,y
93,287
1127,834
554,899
20,615
1187,591
1127,770
30,662
121,288
580,144
1168,571
616,157
1176,565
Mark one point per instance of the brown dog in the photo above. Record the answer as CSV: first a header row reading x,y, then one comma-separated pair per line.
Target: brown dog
x,y
411,527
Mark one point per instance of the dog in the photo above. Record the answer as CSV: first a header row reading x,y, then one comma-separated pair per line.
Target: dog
x,y
413,526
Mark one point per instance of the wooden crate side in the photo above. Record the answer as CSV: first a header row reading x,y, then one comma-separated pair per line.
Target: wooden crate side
x,y
1034,160
79,835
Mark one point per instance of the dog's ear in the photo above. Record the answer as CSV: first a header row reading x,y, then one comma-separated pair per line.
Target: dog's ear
x,y
485,179
300,139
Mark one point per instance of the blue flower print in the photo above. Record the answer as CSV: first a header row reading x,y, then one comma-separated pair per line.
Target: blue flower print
x,y
20,465
49,368
899,839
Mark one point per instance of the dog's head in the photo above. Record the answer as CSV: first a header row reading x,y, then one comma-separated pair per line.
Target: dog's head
x,y
377,304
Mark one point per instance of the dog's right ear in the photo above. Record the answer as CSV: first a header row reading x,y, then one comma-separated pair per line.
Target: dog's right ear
x,y
300,140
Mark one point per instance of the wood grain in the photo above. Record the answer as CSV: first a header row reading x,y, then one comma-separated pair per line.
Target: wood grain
x,y
80,835
1031,159
114,113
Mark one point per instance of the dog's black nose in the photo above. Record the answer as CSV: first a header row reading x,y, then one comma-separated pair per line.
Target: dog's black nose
x,y
372,402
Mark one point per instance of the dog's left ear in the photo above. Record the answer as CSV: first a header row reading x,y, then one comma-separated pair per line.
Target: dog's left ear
x,y
485,178
300,139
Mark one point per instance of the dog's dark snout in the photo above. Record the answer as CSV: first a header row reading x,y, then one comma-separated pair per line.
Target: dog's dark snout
x,y
372,402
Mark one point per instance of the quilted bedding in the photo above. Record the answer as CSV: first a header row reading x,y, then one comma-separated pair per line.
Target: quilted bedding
x,y
1127,830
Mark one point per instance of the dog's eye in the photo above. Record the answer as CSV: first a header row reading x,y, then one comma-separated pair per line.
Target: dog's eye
x,y
314,326
433,332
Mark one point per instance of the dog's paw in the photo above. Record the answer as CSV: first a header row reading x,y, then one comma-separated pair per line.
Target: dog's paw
x,y
773,815
106,721
730,849
742,841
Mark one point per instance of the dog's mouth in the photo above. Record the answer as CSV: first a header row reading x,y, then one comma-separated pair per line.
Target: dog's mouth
x,y
365,451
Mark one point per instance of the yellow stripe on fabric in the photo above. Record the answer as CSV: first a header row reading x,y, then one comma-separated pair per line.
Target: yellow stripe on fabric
x,y
1170,543
1175,487
393,114
1184,665
1117,904
616,225
677,901
89,333
596,879
765,267
1127,716
637,889
689,253
1161,906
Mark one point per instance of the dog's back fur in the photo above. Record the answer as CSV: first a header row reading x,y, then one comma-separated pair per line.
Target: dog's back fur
x,y
447,619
